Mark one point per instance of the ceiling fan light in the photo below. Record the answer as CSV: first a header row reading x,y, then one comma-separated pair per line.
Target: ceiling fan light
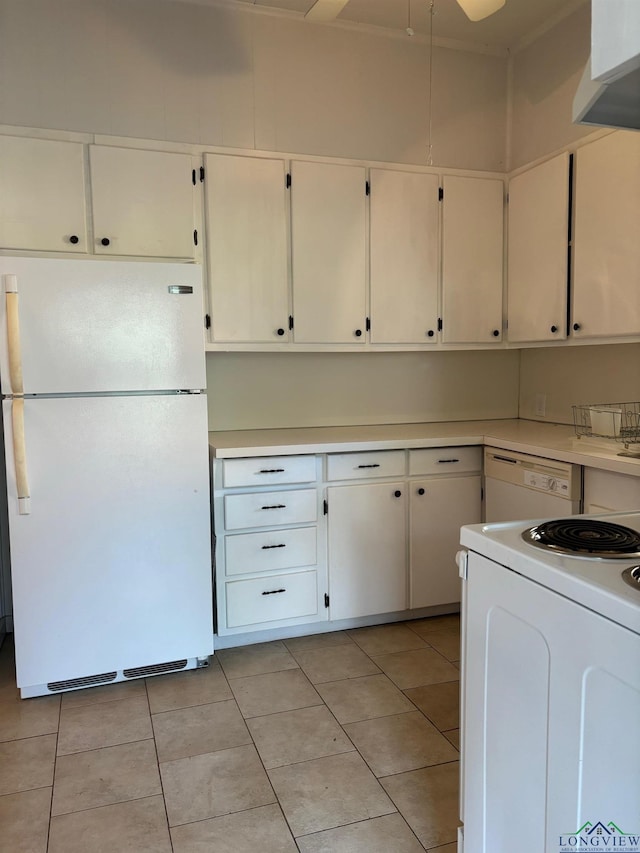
x,y
476,10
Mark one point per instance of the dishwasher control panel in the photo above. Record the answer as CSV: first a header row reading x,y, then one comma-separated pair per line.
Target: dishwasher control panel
x,y
546,483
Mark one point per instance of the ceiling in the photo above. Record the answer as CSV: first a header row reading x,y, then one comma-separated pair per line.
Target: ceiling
x,y
516,20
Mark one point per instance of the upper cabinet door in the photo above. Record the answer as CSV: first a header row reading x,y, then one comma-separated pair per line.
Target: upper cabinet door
x,y
538,252
472,260
328,228
247,248
606,276
404,257
42,201
143,202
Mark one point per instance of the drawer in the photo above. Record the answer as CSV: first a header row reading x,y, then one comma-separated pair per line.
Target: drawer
x,y
275,549
268,509
360,466
445,460
268,471
251,602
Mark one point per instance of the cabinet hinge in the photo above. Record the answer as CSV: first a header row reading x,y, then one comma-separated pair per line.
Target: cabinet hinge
x,y
288,181
201,174
290,323
367,188
481,493
195,237
325,507
326,600
507,198
439,324
207,321
367,324
193,177
440,193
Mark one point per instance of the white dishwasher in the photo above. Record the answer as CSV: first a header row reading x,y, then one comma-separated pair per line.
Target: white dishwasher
x,y
519,486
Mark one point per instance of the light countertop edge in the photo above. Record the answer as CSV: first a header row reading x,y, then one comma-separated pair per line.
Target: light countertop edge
x,y
552,441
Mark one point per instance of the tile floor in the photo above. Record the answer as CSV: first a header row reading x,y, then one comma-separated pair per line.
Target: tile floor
x,y
333,743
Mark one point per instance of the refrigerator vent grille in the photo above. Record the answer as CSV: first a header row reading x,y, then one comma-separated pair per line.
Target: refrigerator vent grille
x,y
84,681
154,669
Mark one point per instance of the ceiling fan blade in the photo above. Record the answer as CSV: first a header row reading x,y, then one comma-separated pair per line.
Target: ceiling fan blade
x,y
476,10
325,10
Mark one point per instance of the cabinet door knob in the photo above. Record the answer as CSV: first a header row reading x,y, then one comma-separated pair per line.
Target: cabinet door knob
x,y
397,493
74,239
554,329
430,333
576,327
358,333
281,332
496,333
105,241
421,491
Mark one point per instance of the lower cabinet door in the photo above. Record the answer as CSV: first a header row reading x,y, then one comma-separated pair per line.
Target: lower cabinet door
x,y
438,509
367,549
271,599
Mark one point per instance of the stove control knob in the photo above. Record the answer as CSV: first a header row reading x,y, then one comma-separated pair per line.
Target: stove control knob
x,y
553,484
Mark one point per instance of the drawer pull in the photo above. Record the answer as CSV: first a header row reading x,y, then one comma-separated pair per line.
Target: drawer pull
x,y
273,591
275,506
271,471
268,547
446,461
375,465
505,459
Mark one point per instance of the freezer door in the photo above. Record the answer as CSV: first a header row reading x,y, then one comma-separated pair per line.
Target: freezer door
x,y
112,566
101,326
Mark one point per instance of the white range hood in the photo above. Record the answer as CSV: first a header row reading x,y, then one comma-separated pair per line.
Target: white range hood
x,y
609,91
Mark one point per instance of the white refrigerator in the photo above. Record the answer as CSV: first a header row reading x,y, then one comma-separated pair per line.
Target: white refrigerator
x,y
102,375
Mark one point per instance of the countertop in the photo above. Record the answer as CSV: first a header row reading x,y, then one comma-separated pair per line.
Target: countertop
x,y
552,441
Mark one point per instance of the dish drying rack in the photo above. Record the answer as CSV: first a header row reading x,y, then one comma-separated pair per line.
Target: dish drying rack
x,y
614,421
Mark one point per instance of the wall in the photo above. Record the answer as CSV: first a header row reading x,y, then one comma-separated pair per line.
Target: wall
x,y
578,375
545,76
209,74
253,390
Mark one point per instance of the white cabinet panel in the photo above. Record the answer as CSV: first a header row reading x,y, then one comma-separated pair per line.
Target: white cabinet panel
x,y
142,202
268,471
438,508
445,460
268,509
606,295
275,549
404,257
367,549
472,260
328,245
359,466
272,599
247,248
538,252
42,201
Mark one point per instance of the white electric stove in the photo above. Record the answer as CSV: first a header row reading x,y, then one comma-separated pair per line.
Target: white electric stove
x,y
551,685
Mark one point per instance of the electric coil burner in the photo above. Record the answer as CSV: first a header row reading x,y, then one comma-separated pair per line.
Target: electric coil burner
x,y
584,537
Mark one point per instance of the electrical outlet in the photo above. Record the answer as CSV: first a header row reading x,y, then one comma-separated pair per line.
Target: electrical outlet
x,y
541,405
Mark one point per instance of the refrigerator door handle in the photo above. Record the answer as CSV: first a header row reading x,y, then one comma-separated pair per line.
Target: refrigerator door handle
x,y
20,457
13,334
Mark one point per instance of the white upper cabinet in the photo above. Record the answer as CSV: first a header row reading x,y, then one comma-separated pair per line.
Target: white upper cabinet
x,y
472,259
328,228
606,270
404,257
143,202
42,199
246,216
538,252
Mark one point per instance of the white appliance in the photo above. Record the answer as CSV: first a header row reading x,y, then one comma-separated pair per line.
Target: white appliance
x,y
551,686
521,486
609,91
105,426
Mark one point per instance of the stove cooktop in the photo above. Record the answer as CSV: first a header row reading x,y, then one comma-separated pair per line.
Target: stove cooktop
x,y
585,537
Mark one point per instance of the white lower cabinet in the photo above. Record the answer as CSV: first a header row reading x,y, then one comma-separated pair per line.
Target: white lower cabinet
x,y
367,549
607,491
438,508
270,556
